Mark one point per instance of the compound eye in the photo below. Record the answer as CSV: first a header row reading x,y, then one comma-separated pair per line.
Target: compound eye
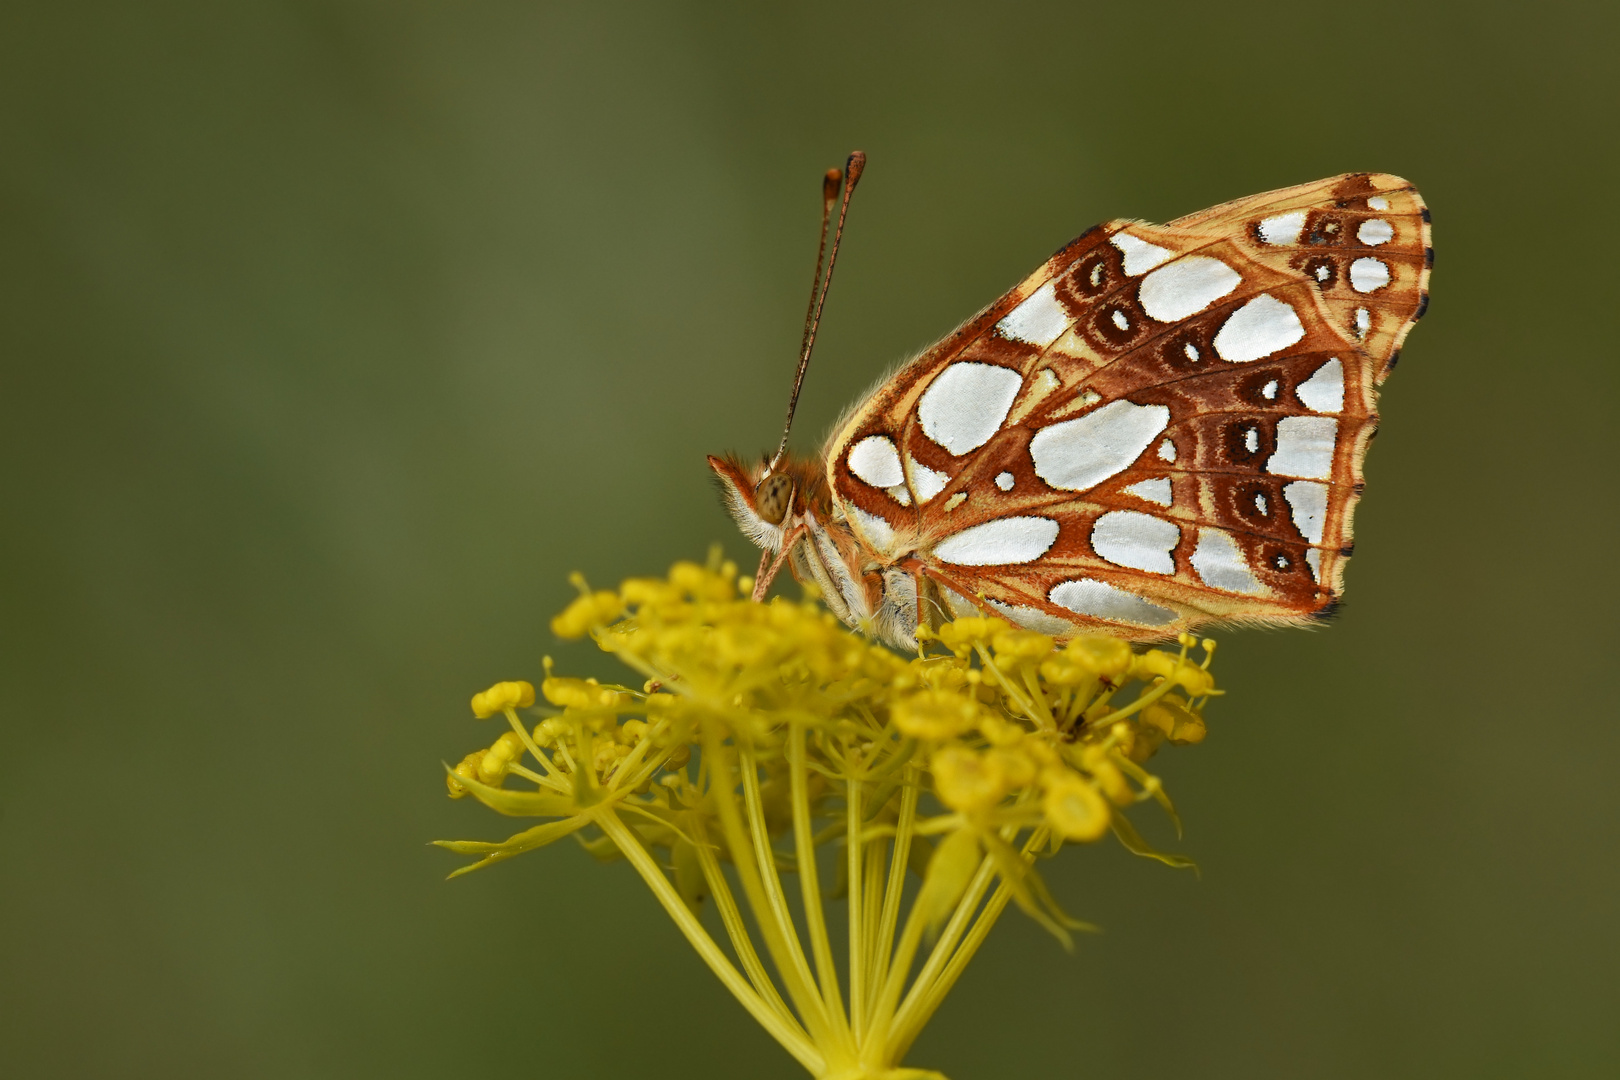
x,y
773,497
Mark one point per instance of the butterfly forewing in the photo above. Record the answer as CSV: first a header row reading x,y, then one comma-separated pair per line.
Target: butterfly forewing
x,y
1161,426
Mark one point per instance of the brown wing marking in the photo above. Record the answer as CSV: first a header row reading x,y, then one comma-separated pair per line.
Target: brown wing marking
x,y
1230,422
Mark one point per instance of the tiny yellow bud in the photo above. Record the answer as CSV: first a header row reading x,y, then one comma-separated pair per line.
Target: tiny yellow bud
x,y
586,614
1190,677
936,714
960,636
1074,809
648,592
1179,724
700,583
967,781
576,693
1017,766
743,646
502,696
1109,658
467,770
1015,645
1061,670
492,768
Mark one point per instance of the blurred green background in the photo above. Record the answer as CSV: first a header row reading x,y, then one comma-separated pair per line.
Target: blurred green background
x,y
336,334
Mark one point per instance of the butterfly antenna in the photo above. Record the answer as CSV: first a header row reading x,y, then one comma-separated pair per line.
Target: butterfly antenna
x,y
819,286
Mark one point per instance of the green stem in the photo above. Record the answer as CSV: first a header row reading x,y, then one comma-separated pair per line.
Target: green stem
x,y
857,938
919,1008
883,944
947,940
732,919
792,1039
810,885
782,943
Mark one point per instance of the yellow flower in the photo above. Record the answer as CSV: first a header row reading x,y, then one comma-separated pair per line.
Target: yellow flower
x,y
502,696
762,732
577,693
586,614
936,714
1074,809
967,780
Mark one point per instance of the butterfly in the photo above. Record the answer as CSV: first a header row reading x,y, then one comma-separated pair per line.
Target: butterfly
x,y
1163,426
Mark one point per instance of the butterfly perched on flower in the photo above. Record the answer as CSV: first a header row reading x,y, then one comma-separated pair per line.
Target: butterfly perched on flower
x,y
1162,426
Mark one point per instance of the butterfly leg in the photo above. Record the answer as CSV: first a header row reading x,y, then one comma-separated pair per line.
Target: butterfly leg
x,y
769,567
930,611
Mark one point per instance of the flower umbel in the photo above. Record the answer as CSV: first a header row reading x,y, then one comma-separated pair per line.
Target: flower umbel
x,y
767,734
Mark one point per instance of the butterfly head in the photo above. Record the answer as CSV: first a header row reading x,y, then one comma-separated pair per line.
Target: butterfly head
x,y
764,501
773,497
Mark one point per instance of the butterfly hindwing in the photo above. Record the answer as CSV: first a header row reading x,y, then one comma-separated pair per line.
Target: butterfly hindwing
x,y
1161,426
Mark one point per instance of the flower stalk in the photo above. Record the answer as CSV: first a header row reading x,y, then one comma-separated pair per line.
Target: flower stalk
x,y
910,797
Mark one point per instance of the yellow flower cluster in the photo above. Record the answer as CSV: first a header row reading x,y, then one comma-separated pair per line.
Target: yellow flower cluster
x,y
768,739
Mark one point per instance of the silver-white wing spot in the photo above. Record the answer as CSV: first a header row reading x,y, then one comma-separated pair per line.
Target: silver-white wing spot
x,y
1034,619
1363,322
1304,447
960,605
878,533
1039,320
1378,202
927,482
1313,559
876,461
1139,541
1002,542
1324,391
1140,256
1167,451
1219,562
1156,490
1284,228
1307,503
966,404
1005,481
1079,454
1186,287
1375,231
1100,600
1258,329
1368,275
